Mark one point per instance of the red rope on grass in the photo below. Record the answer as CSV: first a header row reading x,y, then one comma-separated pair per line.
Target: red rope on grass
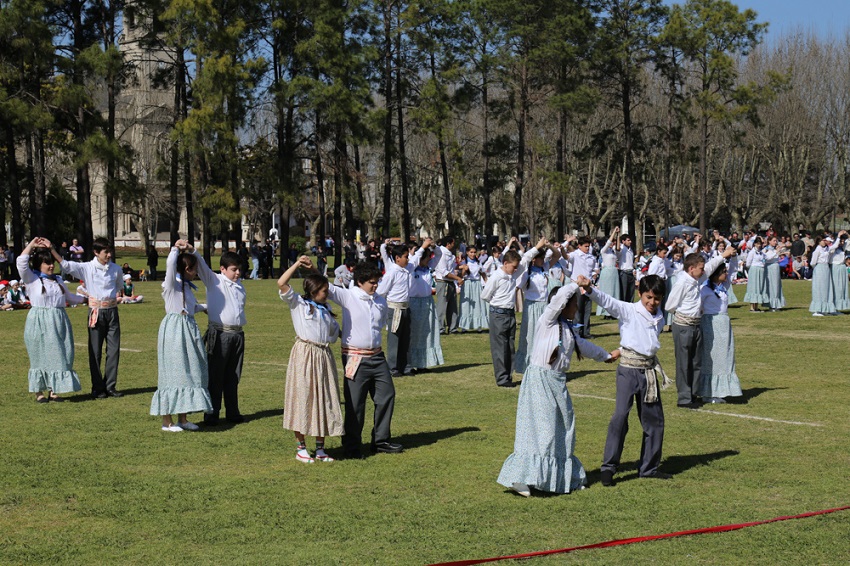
x,y
624,541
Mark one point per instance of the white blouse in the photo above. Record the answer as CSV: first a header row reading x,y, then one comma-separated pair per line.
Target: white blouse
x,y
715,301
55,294
837,255
755,258
608,255
474,270
317,326
658,266
178,296
420,282
534,283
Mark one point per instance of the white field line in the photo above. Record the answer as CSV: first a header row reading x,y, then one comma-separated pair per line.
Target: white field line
x,y
122,349
752,417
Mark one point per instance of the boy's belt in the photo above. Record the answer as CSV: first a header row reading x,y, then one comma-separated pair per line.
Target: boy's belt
x,y
355,356
95,305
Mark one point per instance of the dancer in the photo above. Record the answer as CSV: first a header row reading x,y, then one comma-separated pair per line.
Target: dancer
x,y
311,404
841,293
756,283
773,286
500,293
473,310
823,292
674,266
545,423
425,350
626,261
718,378
583,265
609,276
639,376
183,374
444,274
533,282
48,335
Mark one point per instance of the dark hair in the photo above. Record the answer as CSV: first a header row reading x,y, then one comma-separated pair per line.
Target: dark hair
x,y
653,284
574,297
511,256
184,261
495,250
230,259
350,263
100,244
585,240
38,257
758,240
712,277
447,240
397,251
366,270
625,237
314,283
692,260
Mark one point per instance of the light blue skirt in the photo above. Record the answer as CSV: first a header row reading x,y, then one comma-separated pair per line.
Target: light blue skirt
x,y
553,284
717,376
839,287
823,299
474,312
183,374
668,316
733,298
50,344
776,299
531,312
756,286
425,350
545,436
609,283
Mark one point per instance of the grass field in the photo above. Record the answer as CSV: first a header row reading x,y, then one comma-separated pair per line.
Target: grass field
x,y
98,482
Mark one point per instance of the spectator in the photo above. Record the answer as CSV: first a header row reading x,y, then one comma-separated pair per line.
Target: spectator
x,y
242,252
4,263
127,270
255,259
293,254
153,261
76,251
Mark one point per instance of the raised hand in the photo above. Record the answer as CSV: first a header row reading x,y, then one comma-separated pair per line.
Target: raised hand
x,y
582,282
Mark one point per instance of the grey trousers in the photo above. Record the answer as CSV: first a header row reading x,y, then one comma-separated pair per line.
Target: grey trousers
x,y
398,342
631,388
106,329
447,305
583,315
627,286
502,339
373,380
225,353
687,345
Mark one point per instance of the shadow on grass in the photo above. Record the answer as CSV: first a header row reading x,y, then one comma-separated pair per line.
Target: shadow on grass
x,y
751,394
449,369
573,375
673,465
420,439
263,415
87,396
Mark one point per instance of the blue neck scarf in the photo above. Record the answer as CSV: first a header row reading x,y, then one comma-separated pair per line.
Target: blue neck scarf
x,y
322,307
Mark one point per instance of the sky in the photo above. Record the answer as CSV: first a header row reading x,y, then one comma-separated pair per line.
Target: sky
x,y
824,17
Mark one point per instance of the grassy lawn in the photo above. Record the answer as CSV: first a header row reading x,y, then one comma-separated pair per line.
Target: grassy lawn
x,y
98,482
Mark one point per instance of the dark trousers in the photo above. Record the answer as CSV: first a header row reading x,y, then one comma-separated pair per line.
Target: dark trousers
x,y
627,286
687,345
106,329
225,352
502,338
447,305
398,342
631,388
152,272
373,380
583,315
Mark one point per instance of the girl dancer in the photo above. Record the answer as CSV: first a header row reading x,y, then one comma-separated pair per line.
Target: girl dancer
x,y
47,334
312,386
772,254
841,292
823,297
425,350
609,277
473,310
533,282
545,423
717,376
756,283
183,372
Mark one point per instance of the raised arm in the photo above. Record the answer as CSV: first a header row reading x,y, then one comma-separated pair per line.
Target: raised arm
x,y
617,309
22,261
205,273
384,255
303,262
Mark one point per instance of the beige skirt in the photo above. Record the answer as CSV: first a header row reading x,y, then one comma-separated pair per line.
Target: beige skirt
x,y
311,405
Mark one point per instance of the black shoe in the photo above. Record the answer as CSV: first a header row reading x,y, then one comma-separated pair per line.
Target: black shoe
x,y
689,405
353,454
57,399
658,476
211,421
41,400
236,419
607,478
387,448
114,393
508,384
409,372
395,373
98,394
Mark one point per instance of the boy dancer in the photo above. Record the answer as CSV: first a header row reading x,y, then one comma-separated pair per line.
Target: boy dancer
x,y
685,304
626,261
224,339
103,281
500,292
444,275
584,264
639,376
364,314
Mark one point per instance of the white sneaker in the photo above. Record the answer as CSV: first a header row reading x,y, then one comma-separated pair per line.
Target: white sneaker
x,y
189,426
817,314
521,489
172,428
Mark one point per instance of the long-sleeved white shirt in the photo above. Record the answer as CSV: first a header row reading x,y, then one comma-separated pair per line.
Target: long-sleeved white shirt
x,y
225,298
583,264
626,258
532,281
363,316
836,256
553,335
500,290
491,265
685,294
755,258
608,255
445,264
715,301
474,270
395,285
178,295
657,266
55,294
317,326
102,281
342,276
639,329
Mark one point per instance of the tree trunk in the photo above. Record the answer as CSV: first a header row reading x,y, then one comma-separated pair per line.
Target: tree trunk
x,y
361,202
520,165
320,181
560,167
405,186
339,150
629,168
39,196
388,121
485,150
174,179
14,185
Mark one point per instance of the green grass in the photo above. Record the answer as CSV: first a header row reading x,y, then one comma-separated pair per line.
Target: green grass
x,y
97,482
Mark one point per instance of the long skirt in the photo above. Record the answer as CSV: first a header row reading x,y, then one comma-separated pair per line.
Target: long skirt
x,y
474,313
553,283
733,298
311,402
50,344
530,315
839,287
545,436
609,283
823,298
425,350
668,316
717,376
776,299
756,286
183,373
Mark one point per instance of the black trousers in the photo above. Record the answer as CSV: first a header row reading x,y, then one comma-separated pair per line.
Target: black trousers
x,y
687,345
372,379
627,286
398,342
585,306
225,353
502,339
106,329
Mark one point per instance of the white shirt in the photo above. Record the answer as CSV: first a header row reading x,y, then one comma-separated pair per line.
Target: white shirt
x,y
319,326
225,298
342,276
102,281
491,265
474,270
557,269
770,255
658,266
583,264
55,295
420,282
553,334
837,254
500,290
363,316
395,285
685,294
756,258
178,296
715,301
532,282
626,258
608,255
819,255
445,264
639,329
